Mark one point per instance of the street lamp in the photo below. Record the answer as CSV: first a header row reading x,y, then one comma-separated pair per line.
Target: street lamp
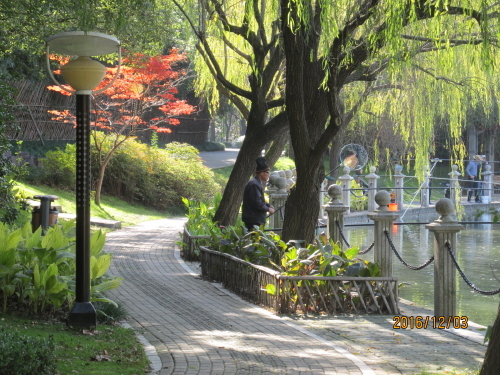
x,y
83,75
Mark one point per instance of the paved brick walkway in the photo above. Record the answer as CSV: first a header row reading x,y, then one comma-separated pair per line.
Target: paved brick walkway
x,y
197,327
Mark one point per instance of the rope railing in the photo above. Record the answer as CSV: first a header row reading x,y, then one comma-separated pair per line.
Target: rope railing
x,y
347,243
467,281
401,259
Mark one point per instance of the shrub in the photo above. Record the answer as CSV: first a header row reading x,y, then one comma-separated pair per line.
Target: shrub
x,y
23,355
284,163
159,177
210,146
39,271
136,172
109,313
238,142
60,167
10,201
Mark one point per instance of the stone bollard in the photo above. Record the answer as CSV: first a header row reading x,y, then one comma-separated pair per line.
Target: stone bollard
x,y
425,192
455,193
345,183
399,186
372,188
335,210
383,219
271,187
445,231
321,214
277,200
488,183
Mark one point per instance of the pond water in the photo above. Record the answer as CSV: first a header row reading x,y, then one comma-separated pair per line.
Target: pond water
x,y
477,254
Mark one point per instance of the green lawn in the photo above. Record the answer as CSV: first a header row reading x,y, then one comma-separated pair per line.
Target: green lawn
x,y
111,208
109,350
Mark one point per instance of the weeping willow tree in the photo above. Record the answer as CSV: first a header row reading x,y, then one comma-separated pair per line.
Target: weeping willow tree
x,y
340,56
241,57
420,97
335,64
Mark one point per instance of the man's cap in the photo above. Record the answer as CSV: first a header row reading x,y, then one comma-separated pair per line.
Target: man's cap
x,y
261,165
477,157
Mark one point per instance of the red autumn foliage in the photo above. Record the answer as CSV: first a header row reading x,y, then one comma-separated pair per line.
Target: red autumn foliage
x,y
143,96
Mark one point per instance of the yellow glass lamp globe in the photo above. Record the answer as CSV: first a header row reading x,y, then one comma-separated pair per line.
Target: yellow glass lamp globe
x,y
83,73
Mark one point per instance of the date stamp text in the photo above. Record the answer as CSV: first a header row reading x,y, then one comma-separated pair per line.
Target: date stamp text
x,y
435,322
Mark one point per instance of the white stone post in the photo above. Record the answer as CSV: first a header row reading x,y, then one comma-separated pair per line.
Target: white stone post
x,y
345,183
488,182
322,193
335,210
372,188
288,179
399,185
455,193
445,231
271,188
277,200
383,219
424,192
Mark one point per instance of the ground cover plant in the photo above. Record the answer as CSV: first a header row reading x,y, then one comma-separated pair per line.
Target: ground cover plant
x,y
37,273
109,350
266,247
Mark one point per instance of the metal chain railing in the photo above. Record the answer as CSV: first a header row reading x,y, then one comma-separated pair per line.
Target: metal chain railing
x,y
467,281
367,249
347,243
401,259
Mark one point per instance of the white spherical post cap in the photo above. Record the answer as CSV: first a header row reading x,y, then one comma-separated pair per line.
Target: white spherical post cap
x,y
446,209
383,198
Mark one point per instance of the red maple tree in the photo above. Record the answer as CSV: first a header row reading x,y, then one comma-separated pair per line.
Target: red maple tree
x,y
142,97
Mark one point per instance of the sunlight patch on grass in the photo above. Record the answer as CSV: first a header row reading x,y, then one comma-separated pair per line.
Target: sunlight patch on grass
x,y
111,208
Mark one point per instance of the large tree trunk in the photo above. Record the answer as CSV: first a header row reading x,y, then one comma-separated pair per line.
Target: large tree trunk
x,y
308,107
255,140
302,206
491,364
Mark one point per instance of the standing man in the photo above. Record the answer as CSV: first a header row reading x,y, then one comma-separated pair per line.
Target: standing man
x,y
473,171
255,207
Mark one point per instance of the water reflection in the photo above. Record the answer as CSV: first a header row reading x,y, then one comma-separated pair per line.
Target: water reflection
x,y
477,254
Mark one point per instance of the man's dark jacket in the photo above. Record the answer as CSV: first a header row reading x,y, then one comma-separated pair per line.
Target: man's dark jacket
x,y
254,204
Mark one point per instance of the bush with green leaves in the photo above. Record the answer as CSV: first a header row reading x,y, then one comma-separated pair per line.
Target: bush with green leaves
x,y
9,205
137,173
210,146
328,259
256,247
39,271
24,355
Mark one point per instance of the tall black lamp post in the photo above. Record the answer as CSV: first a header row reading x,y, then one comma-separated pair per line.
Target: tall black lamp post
x,y
83,75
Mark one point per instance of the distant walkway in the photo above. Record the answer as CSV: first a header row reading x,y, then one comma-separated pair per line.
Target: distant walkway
x,y
197,327
219,159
